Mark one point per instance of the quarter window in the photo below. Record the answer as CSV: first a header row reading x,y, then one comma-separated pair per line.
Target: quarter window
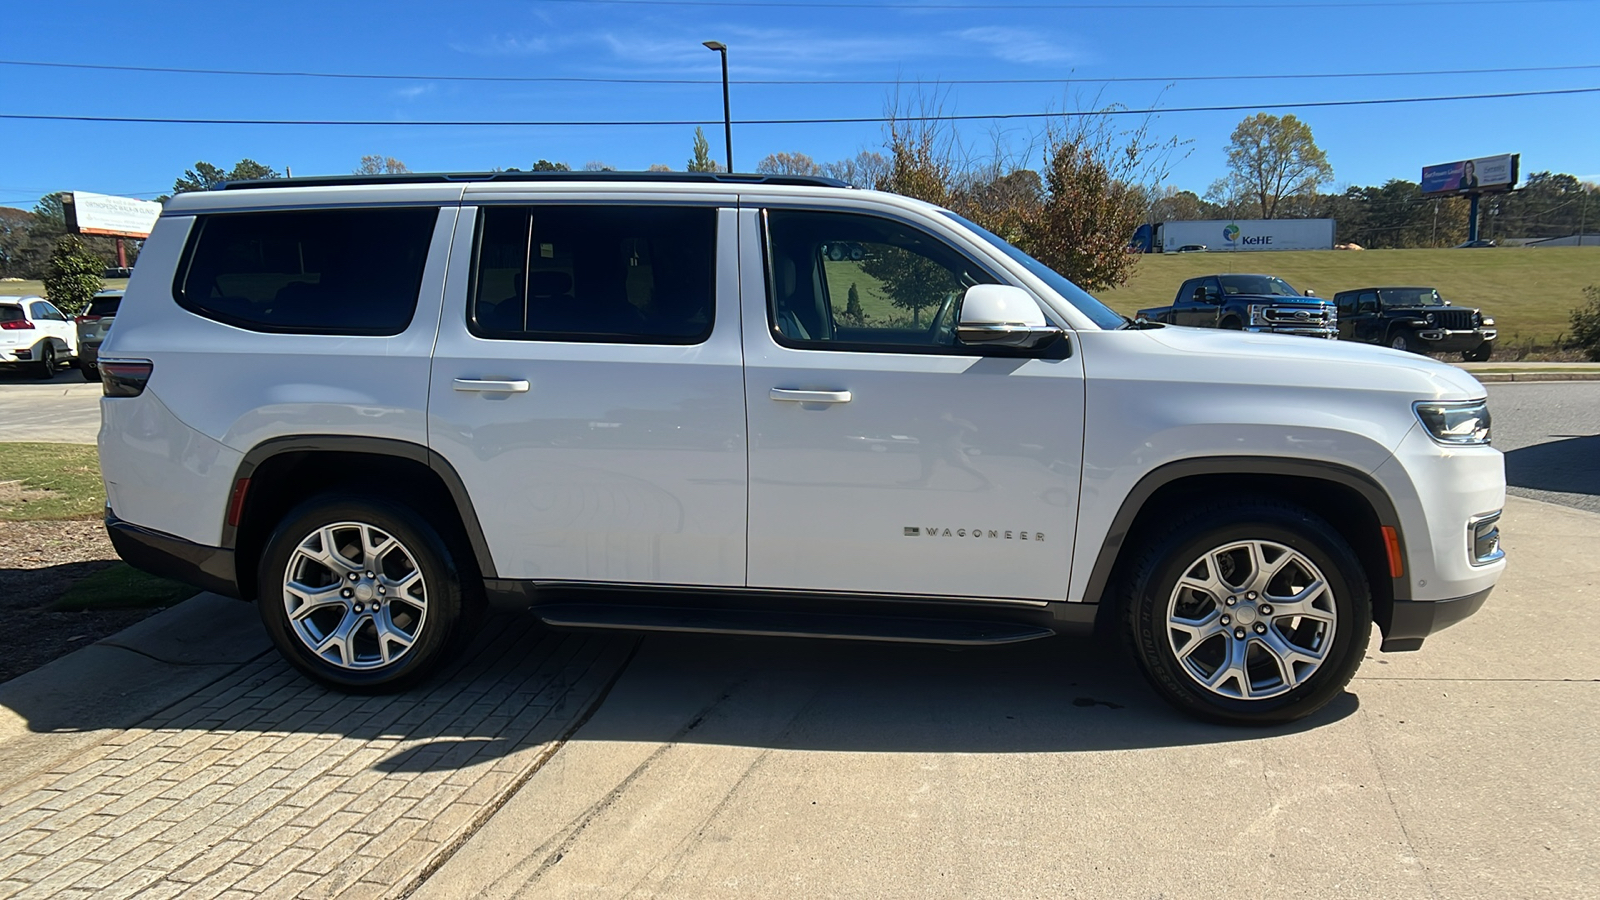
x,y
843,281
607,274
327,271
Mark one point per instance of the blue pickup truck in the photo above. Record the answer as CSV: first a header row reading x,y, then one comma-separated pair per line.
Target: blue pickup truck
x,y
1248,303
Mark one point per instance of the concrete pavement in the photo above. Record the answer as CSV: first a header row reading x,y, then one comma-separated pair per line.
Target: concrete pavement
x,y
64,410
761,769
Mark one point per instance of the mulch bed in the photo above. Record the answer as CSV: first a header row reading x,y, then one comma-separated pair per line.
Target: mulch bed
x,y
39,561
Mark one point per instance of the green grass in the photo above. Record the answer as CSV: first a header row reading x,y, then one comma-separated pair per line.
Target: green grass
x,y
50,481
123,587
1530,292
24,288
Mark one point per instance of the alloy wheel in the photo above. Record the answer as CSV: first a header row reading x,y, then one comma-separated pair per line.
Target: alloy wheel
x,y
1250,620
355,596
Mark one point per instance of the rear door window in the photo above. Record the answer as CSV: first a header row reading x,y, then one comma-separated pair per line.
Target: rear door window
x,y
326,271
602,274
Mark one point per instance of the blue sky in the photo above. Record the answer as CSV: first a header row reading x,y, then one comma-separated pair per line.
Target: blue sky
x,y
820,42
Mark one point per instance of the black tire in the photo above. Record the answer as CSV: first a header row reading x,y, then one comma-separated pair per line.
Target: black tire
x,y
1401,340
1150,590
1479,354
45,368
1231,324
438,624
89,371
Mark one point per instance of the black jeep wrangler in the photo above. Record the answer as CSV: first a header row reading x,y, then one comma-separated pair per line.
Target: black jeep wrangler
x,y
1415,319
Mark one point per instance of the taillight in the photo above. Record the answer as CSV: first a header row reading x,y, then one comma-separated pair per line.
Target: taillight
x,y
124,377
84,319
17,325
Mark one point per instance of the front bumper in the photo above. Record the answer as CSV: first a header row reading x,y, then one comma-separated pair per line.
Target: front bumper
x,y
208,568
1412,620
1444,340
1317,332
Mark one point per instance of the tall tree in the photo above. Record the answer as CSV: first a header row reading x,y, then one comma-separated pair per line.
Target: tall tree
x,y
701,161
1271,158
381,165
545,165
205,176
865,170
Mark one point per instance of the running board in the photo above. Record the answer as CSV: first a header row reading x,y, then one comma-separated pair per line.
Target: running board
x,y
770,623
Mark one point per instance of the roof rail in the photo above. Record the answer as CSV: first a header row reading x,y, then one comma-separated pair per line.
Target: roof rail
x,y
453,177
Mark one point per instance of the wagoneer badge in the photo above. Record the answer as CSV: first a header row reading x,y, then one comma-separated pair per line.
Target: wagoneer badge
x,y
985,534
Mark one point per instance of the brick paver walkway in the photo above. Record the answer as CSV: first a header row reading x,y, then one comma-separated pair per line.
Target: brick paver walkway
x,y
265,785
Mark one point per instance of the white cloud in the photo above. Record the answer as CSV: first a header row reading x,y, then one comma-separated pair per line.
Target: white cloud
x,y
1017,45
415,91
505,45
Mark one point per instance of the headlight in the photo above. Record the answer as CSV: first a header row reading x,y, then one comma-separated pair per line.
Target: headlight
x,y
1428,318
1257,312
1455,423
1488,320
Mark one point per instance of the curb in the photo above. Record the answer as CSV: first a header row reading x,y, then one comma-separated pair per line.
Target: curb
x,y
1493,377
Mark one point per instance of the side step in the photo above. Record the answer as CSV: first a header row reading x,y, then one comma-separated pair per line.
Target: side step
x,y
772,623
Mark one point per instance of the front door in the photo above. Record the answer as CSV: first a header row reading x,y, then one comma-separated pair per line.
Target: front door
x,y
1200,308
587,387
884,457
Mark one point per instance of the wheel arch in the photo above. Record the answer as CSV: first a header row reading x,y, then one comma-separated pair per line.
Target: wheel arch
x,y
1349,500
284,471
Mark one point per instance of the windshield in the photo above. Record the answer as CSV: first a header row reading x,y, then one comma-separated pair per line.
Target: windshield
x,y
1412,297
1256,284
1097,312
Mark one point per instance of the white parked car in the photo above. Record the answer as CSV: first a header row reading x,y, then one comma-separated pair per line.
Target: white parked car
x,y
762,405
34,334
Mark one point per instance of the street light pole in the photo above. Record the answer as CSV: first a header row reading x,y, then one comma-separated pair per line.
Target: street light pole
x,y
727,116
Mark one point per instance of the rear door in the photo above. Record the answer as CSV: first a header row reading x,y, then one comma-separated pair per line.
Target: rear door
x,y
587,386
51,322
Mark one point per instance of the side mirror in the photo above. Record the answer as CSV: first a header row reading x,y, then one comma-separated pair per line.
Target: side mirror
x,y
1000,315
1310,292
1199,295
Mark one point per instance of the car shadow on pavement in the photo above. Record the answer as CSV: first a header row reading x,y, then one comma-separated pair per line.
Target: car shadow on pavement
x,y
518,681
1569,466
1054,695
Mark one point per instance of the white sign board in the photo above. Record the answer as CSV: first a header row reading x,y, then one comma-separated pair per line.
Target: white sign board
x,y
104,214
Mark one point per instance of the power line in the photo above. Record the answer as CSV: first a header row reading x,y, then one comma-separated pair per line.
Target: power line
x,y
1120,7
546,79
852,120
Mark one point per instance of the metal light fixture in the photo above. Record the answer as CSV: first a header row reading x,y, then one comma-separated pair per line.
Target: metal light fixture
x,y
727,117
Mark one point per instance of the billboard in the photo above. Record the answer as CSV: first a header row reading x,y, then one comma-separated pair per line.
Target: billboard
x,y
1483,175
104,214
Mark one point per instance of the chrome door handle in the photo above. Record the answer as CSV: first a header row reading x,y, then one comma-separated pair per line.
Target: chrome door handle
x,y
492,386
809,396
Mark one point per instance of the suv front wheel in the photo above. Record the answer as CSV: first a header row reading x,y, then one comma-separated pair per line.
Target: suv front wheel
x,y
359,594
1250,613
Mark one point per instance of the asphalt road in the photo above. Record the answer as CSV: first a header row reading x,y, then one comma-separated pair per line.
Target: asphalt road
x,y
1550,434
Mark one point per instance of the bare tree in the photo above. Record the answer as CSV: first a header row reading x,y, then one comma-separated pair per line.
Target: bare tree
x,y
864,170
788,164
381,165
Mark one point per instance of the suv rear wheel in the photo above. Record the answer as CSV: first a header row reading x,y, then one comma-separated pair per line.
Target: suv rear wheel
x,y
45,368
1250,613
359,594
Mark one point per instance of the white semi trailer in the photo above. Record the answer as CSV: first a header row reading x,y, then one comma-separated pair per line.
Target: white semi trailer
x,y
1247,234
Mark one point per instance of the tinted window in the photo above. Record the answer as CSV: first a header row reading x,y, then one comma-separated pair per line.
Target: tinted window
x,y
335,271
837,280
1368,302
632,274
1257,284
11,313
40,310
1412,297
103,306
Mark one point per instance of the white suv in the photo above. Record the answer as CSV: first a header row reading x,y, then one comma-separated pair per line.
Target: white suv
x,y
761,405
35,335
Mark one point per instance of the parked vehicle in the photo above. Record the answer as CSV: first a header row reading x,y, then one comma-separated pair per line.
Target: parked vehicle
x,y
1415,319
765,405
92,327
35,335
1191,248
1247,303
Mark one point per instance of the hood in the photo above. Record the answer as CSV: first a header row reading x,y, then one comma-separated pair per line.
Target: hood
x,y
1280,300
1271,358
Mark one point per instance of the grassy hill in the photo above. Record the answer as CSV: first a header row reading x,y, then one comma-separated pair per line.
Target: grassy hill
x,y
1530,292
